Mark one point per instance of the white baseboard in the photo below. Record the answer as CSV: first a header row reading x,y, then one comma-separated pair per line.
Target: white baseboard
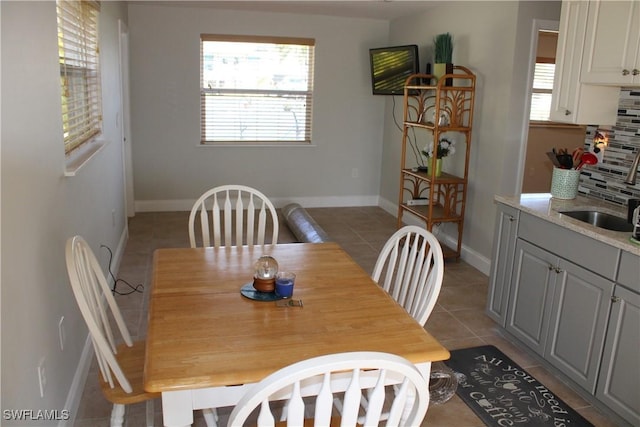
x,y
470,256
278,202
80,377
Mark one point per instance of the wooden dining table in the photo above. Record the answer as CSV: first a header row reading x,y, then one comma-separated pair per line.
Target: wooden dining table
x,y
206,342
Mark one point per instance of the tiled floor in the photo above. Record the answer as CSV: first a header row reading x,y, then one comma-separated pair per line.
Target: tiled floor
x,y
458,321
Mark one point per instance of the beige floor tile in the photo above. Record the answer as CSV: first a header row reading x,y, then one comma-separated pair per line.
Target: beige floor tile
x,y
462,297
451,413
443,325
460,343
596,417
476,320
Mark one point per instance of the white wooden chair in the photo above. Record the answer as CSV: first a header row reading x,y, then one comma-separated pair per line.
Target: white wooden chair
x,y
121,366
222,202
410,268
326,378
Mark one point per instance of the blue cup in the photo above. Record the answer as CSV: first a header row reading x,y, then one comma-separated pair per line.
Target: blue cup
x,y
284,284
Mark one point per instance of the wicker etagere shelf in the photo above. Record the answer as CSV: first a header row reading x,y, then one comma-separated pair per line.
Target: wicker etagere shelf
x,y
433,108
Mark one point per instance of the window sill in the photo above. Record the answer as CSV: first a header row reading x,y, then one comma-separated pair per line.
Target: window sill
x,y
80,157
549,124
255,144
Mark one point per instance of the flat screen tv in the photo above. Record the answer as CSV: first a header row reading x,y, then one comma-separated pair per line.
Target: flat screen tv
x,y
390,67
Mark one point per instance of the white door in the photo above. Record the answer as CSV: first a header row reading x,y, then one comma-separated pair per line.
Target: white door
x,y
126,120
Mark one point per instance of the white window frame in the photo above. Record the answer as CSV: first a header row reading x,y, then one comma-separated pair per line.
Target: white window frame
x,y
278,115
536,112
80,81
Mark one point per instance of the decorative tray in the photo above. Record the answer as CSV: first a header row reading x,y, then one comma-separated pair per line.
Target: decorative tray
x,y
250,292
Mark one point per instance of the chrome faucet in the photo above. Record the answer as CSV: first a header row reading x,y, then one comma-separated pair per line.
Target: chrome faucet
x,y
631,177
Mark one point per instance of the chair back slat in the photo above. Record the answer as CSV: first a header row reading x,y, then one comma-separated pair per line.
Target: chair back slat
x,y
250,220
216,224
324,402
344,374
376,401
204,223
410,268
265,417
94,296
233,222
228,221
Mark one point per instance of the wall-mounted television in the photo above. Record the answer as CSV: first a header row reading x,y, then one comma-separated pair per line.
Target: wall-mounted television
x,y
390,67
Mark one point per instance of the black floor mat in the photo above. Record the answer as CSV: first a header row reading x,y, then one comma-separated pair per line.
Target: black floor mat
x,y
501,393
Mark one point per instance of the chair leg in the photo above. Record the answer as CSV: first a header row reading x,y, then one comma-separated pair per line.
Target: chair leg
x,y
150,414
210,417
117,415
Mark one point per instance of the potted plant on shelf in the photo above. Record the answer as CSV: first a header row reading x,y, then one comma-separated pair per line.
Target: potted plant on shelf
x,y
443,56
445,148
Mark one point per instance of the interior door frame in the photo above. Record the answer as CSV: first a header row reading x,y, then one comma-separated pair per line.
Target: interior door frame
x,y
127,154
538,25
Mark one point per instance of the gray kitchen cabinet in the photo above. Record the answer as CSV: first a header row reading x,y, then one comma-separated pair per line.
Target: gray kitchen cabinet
x,y
629,272
612,46
571,100
504,242
579,315
619,381
532,288
574,301
557,307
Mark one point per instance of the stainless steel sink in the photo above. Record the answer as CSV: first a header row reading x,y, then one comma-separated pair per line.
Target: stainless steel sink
x,y
601,220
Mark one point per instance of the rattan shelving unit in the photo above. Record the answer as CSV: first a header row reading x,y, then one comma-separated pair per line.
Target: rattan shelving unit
x,y
432,110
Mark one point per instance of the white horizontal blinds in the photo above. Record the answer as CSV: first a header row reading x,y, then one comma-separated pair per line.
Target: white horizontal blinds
x,y
79,71
541,92
256,89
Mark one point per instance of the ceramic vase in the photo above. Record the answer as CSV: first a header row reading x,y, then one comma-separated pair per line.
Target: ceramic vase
x,y
438,169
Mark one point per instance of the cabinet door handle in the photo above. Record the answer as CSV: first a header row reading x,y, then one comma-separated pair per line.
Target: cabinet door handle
x,y
567,112
625,72
615,299
550,267
635,72
511,219
558,270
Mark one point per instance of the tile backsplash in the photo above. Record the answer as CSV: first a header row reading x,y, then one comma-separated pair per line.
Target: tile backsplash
x,y
604,181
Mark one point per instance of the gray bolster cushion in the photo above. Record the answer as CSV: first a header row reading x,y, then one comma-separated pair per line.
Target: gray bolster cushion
x,y
302,225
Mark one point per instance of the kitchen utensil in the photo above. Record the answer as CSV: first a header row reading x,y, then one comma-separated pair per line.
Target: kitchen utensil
x,y
565,160
577,156
587,159
554,159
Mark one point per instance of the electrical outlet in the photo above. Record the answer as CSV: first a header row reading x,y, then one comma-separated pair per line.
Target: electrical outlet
x,y
42,376
61,333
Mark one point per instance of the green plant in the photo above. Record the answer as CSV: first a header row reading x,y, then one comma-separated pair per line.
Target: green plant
x,y
443,48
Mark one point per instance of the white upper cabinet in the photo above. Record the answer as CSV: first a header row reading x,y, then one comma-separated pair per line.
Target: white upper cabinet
x,y
612,45
572,101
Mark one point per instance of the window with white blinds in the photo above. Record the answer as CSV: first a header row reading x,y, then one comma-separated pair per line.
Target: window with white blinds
x,y
79,71
256,90
541,92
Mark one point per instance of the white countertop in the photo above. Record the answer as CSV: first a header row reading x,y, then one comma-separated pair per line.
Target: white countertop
x,y
546,207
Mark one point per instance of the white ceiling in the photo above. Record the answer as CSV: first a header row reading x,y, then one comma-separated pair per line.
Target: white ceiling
x,y
373,9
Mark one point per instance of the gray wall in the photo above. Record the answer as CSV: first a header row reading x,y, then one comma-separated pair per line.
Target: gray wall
x,y
41,208
172,169
493,40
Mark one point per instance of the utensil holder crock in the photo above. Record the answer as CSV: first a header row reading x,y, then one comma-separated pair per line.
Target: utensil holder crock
x,y
564,183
